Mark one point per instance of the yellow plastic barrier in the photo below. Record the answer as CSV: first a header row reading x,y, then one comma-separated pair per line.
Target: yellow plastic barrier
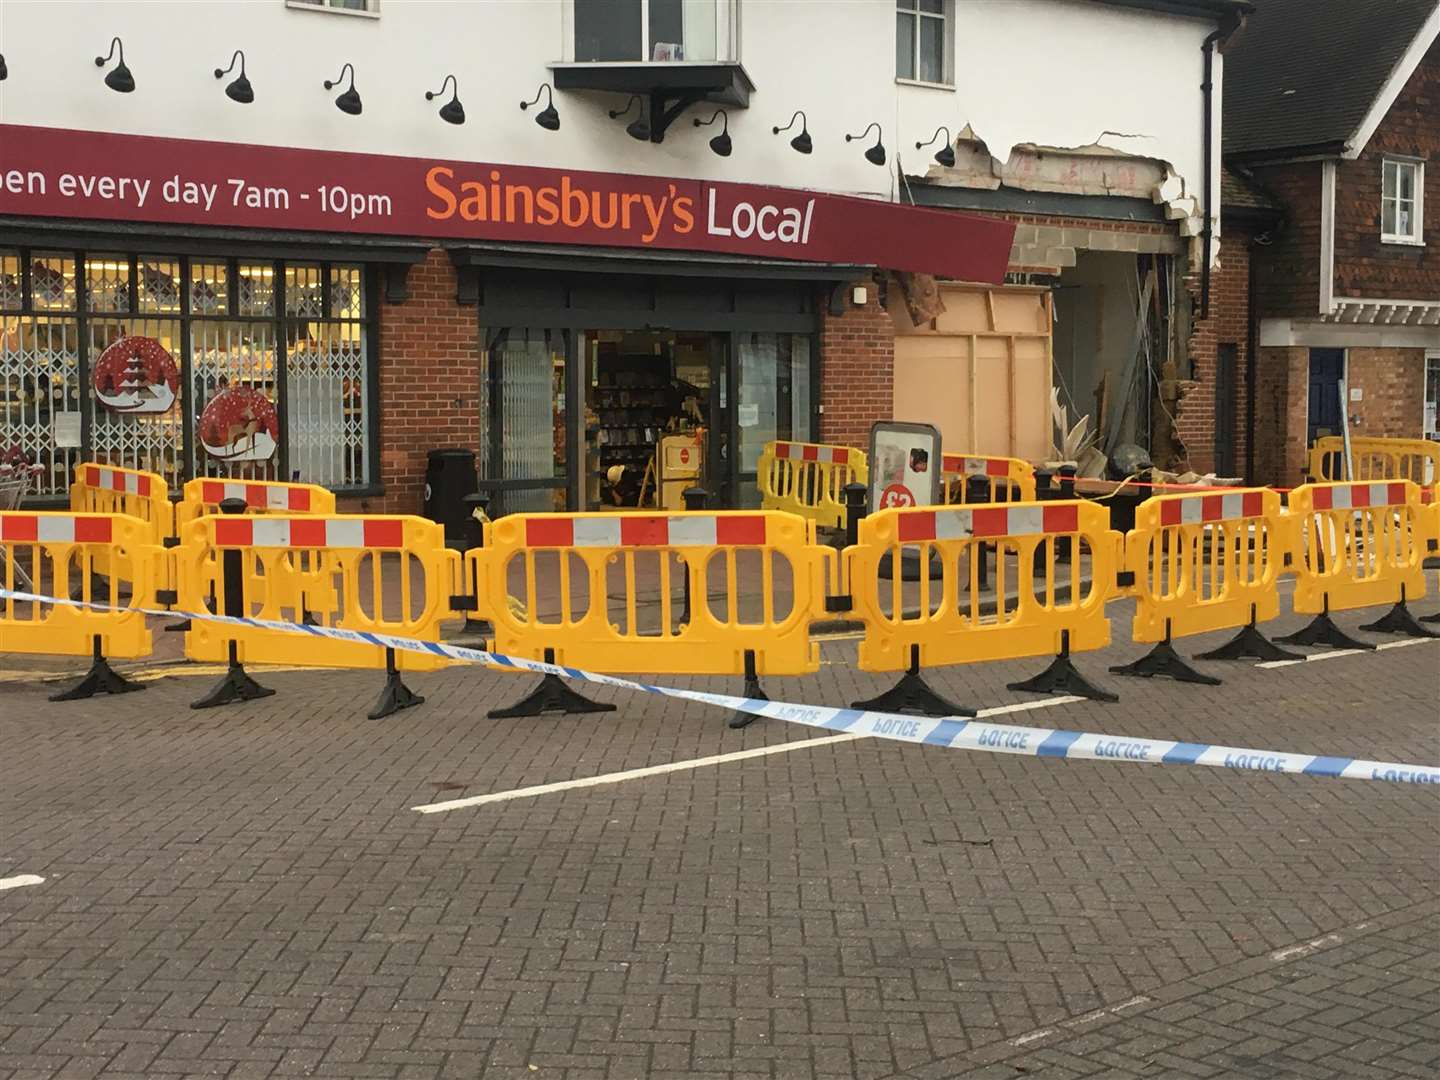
x,y
55,554
203,496
386,575
937,621
618,605
1209,561
1356,545
106,489
1008,479
809,479
1375,459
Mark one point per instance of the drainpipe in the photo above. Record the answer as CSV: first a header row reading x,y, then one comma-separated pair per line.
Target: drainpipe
x,y
1207,89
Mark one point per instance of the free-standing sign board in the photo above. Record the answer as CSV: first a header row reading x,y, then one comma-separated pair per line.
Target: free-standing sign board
x,y
904,465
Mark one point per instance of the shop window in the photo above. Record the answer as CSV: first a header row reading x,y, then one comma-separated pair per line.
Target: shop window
x,y
1402,201
280,350
774,395
1432,396
343,7
653,31
922,41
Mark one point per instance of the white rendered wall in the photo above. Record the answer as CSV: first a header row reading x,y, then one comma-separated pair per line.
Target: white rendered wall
x,y
1063,73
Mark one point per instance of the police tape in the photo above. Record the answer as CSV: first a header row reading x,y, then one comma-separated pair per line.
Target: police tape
x,y
953,732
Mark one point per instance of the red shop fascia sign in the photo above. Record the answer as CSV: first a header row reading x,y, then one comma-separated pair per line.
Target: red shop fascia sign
x,y
51,172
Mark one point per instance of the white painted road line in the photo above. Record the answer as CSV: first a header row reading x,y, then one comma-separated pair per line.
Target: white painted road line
x,y
695,763
1294,951
19,880
1333,654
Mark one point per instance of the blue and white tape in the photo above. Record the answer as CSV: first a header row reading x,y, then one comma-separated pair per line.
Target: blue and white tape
x,y
949,732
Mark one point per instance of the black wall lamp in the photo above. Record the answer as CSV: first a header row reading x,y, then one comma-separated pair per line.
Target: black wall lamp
x,y
452,112
349,101
4,71
802,141
946,154
240,89
547,117
120,80
720,143
875,154
637,128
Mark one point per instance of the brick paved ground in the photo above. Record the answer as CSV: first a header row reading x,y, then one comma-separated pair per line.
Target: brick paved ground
x,y
247,893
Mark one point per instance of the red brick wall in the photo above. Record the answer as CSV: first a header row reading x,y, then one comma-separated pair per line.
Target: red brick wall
x,y
857,369
1363,265
1281,409
429,384
1392,385
1289,266
1228,324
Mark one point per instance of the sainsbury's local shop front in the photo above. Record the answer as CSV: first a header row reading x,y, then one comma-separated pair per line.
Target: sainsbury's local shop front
x,y
197,308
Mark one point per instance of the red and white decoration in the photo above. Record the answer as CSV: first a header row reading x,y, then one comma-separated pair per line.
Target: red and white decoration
x,y
309,532
239,424
54,528
826,455
1200,509
292,497
977,466
127,481
136,375
988,521
644,530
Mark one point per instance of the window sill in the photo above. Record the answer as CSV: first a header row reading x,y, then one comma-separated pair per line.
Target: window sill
x,y
300,5
925,85
1402,241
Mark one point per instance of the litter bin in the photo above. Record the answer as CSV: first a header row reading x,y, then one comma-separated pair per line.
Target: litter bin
x,y
449,477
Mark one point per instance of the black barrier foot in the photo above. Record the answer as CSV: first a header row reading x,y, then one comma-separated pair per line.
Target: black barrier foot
x,y
912,694
1062,677
1249,644
1399,620
184,624
99,590
740,718
551,696
396,695
1323,631
100,679
1431,618
1164,660
235,686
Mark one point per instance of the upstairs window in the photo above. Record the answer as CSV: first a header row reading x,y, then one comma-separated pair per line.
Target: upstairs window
x,y
922,41
1402,201
349,7
652,31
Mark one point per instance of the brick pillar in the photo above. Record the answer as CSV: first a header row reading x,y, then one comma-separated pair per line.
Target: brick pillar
x,y
857,368
429,382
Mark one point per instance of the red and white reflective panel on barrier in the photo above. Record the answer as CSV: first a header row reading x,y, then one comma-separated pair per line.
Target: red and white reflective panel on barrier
x,y
988,521
1356,496
337,532
131,483
1199,509
641,530
826,455
976,466
269,496
55,528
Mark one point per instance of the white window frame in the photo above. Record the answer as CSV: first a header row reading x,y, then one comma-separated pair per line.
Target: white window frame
x,y
371,10
727,37
947,37
1417,237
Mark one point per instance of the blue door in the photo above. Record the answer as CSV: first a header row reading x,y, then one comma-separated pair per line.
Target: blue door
x,y
1327,368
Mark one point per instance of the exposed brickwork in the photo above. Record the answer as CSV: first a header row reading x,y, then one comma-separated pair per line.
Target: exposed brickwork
x,y
1364,266
429,388
857,378
1281,410
1392,387
1228,324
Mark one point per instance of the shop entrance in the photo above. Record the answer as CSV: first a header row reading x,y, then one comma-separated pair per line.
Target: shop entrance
x,y
619,390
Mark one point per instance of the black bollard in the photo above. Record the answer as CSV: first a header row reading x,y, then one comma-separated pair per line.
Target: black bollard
x,y
977,490
474,537
236,685
855,509
695,498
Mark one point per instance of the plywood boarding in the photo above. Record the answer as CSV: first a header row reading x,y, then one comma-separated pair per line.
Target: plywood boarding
x,y
980,371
